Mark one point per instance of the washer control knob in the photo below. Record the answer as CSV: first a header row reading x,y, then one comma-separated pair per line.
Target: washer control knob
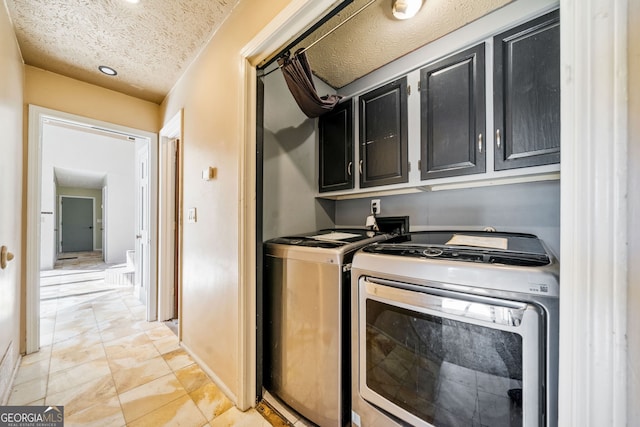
x,y
432,252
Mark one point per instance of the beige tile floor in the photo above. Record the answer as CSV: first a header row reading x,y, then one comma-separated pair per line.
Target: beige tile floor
x,y
107,366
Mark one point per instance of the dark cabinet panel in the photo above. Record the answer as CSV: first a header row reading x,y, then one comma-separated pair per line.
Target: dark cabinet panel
x,y
336,148
452,115
383,135
527,94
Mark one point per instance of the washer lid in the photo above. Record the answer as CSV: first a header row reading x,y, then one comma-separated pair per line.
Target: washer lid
x,y
328,238
470,246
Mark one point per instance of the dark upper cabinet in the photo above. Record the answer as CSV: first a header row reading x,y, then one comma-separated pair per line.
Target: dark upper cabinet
x,y
336,148
527,94
452,115
383,135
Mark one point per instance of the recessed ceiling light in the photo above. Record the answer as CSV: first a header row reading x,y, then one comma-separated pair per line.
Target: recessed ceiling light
x,y
107,70
133,1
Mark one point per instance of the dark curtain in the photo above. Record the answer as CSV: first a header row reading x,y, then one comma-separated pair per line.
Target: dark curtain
x,y
297,74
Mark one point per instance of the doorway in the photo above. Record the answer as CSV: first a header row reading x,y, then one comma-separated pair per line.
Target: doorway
x,y
39,119
76,224
170,223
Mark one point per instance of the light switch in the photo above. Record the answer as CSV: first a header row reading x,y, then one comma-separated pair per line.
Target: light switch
x,y
209,173
192,215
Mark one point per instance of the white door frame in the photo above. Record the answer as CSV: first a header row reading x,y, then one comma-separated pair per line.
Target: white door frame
x,y
594,146
291,21
104,221
166,219
37,117
593,214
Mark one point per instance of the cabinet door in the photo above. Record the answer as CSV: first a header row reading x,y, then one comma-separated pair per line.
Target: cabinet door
x,y
383,135
336,148
527,94
452,115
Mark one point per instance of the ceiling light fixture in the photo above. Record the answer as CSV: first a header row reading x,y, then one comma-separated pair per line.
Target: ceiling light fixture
x,y
107,70
133,1
405,9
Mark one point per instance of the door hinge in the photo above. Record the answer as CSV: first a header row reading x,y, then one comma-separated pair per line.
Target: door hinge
x,y
408,89
409,167
419,85
419,165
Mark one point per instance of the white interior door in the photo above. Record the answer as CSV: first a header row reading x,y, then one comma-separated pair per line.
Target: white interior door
x,y
142,207
169,229
103,224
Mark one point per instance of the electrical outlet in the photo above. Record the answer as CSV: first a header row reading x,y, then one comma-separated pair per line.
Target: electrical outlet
x,y
375,206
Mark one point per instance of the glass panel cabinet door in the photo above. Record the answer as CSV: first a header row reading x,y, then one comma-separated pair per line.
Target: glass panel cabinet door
x,y
383,135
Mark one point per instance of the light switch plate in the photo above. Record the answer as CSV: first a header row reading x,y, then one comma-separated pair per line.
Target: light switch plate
x,y
192,215
209,173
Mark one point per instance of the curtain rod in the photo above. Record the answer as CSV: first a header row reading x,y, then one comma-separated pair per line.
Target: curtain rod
x,y
339,25
317,25
304,35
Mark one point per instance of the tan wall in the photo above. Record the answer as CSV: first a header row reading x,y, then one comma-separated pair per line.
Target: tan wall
x,y
210,92
57,92
633,308
11,87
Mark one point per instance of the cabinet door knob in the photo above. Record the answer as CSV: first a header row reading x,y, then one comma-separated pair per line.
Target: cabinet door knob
x,y
349,168
480,142
498,138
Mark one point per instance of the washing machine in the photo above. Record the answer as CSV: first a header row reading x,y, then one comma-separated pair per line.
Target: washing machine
x,y
307,321
455,328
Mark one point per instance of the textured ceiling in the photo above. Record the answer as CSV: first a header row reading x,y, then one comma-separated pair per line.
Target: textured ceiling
x,y
374,37
150,43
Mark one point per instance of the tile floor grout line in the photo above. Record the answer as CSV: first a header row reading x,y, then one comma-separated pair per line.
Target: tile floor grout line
x,y
110,312
104,348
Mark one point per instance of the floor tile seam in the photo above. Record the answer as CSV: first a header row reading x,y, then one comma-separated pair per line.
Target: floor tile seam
x,y
138,362
158,408
55,329
205,415
97,404
102,343
112,342
22,367
109,340
201,411
93,359
89,361
84,381
147,381
182,395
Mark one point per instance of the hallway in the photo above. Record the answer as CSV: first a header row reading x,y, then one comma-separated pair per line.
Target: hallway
x,y
107,366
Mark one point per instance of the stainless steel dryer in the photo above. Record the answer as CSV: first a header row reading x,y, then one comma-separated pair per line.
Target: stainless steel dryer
x,y
455,328
307,321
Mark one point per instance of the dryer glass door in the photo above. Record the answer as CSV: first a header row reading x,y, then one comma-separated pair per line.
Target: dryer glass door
x,y
434,357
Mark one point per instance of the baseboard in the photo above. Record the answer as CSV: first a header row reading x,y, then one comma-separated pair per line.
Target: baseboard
x,y
8,370
221,385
